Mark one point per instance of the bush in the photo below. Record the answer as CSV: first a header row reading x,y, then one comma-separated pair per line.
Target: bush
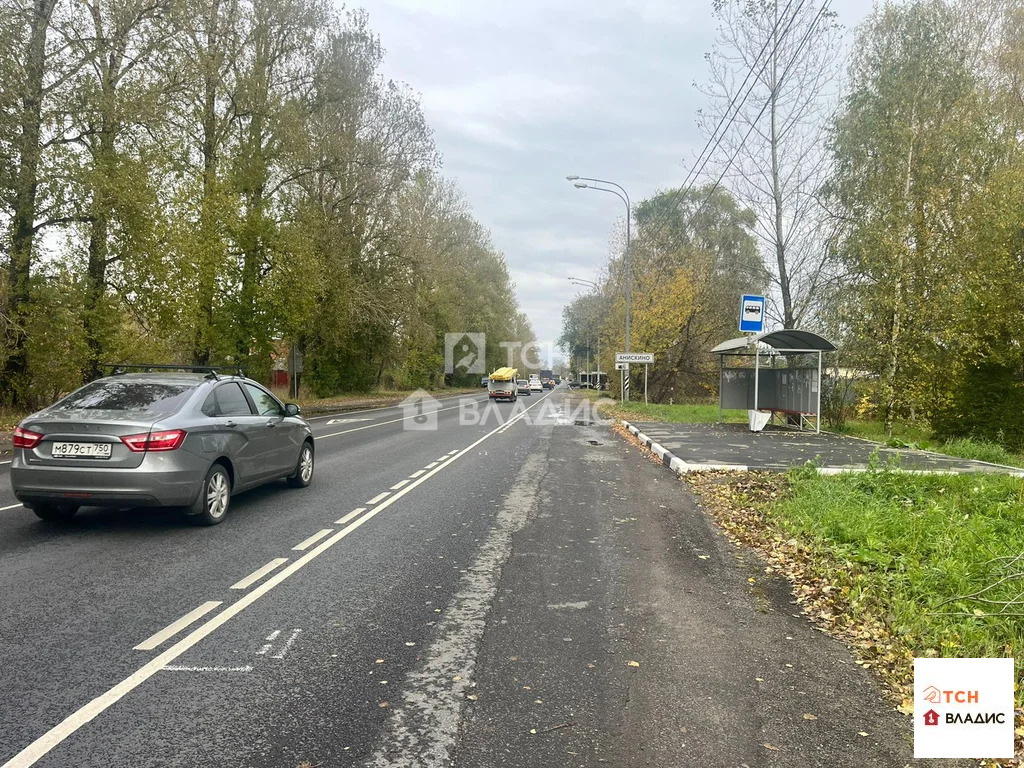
x,y
987,404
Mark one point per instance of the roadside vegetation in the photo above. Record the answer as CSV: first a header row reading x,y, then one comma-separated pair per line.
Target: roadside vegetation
x,y
202,182
898,565
893,232
918,436
684,413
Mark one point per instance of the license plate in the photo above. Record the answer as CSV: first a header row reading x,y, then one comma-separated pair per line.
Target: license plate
x,y
81,450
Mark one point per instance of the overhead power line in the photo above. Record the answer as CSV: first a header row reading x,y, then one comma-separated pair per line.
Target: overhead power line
x,y
733,109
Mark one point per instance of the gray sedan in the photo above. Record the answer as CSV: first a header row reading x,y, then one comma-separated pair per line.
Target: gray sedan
x,y
158,439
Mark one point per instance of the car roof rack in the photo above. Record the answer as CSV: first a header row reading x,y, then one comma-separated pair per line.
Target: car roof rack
x,y
209,370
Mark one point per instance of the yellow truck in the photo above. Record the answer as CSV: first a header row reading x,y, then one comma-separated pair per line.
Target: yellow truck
x,y
501,385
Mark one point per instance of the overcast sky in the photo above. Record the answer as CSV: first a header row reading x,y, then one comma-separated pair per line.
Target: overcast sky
x,y
521,93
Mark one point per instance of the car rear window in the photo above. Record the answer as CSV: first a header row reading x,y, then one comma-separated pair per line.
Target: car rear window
x,y
148,397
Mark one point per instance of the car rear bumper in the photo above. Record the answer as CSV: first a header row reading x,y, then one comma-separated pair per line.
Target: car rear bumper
x,y
156,482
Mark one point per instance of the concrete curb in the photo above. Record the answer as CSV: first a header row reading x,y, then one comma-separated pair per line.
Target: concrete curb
x,y
672,461
681,467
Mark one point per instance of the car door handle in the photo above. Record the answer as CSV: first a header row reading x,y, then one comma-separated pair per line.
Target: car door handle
x,y
230,424
271,423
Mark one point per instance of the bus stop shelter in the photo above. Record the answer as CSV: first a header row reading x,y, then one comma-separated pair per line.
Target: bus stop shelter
x,y
766,389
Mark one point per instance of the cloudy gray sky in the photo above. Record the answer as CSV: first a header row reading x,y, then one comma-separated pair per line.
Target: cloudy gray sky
x,y
519,94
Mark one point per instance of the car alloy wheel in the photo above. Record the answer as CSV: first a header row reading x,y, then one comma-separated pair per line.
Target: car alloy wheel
x,y
217,495
211,506
304,468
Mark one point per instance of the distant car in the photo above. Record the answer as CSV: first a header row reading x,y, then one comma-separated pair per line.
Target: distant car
x,y
549,384
523,387
484,381
150,439
536,386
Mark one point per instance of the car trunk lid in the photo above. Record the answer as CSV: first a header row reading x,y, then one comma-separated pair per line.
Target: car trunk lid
x,y
87,427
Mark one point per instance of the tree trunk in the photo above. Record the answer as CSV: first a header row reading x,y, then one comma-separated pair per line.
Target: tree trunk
x,y
896,324
23,216
788,320
201,352
105,160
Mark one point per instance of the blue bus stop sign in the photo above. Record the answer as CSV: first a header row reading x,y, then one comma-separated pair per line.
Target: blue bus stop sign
x,y
752,314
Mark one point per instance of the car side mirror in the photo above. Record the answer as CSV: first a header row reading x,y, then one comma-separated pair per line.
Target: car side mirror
x,y
291,409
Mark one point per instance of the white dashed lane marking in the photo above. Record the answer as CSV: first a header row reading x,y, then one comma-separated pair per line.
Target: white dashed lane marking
x,y
88,712
350,515
378,498
417,473
307,543
259,573
172,629
399,485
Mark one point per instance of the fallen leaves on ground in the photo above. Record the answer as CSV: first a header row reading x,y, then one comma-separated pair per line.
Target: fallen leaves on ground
x,y
740,503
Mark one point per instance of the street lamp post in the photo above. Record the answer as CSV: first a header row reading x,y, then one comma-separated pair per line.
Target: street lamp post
x,y
624,197
596,287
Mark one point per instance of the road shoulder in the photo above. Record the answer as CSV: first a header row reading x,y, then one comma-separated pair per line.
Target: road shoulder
x,y
627,630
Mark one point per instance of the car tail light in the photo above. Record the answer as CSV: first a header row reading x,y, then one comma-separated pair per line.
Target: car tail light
x,y
155,441
24,438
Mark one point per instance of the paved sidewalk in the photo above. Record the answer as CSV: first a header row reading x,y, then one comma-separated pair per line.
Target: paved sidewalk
x,y
710,446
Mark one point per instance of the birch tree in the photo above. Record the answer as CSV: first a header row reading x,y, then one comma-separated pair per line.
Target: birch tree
x,y
772,150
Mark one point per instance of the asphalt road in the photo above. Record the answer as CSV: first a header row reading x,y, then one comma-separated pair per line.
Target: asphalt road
x,y
469,595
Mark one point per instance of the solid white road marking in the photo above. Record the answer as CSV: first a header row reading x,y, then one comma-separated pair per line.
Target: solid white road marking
x,y
399,484
85,714
417,473
270,642
6,462
307,543
350,515
378,498
259,573
287,644
173,668
172,629
13,506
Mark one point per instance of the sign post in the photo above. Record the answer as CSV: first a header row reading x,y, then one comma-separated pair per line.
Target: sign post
x,y
624,359
752,321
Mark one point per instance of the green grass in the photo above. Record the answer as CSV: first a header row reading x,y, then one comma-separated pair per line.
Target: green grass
x,y
874,430
920,436
913,547
692,413
979,450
